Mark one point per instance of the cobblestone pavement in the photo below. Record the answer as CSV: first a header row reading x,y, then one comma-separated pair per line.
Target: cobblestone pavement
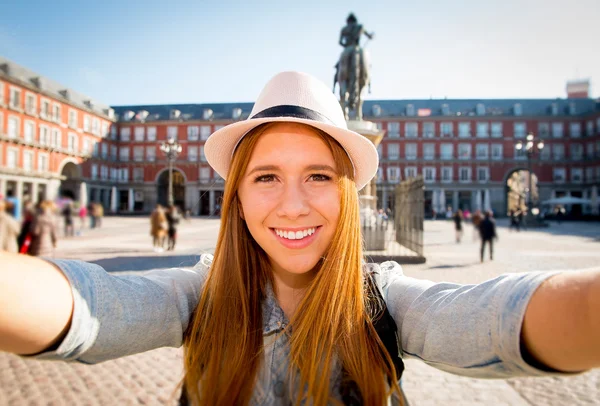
x,y
123,245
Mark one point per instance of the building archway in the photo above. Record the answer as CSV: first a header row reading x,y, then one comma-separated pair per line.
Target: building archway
x,y
178,188
71,180
518,190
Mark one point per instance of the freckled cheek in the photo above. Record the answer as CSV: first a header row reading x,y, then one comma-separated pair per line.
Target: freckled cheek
x,y
327,202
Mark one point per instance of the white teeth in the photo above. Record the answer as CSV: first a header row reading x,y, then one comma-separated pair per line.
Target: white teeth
x,y
295,235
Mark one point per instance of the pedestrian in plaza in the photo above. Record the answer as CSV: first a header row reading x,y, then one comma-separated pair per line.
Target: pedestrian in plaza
x,y
487,230
476,220
25,236
67,213
288,311
158,228
82,216
97,213
514,220
9,230
173,219
458,220
43,230
91,214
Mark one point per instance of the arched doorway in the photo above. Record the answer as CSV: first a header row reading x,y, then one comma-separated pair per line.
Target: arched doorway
x,y
518,190
69,186
178,188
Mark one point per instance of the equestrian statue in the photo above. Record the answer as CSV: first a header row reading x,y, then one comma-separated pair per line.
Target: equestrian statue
x,y
352,70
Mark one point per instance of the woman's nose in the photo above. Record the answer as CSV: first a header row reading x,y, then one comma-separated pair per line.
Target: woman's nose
x,y
294,202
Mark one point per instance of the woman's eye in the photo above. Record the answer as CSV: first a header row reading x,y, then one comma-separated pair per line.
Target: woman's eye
x,y
264,179
320,177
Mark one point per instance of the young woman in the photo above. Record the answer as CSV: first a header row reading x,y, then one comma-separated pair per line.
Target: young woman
x,y
287,311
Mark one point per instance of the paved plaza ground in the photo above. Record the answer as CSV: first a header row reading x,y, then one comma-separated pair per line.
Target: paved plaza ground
x,y
123,245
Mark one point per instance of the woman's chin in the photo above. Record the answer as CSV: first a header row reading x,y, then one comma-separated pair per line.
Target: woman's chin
x,y
297,266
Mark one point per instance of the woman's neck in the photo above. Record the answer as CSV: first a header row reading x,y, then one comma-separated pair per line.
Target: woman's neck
x,y
290,289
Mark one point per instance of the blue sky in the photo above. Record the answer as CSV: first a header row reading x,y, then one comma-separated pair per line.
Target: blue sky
x,y
154,52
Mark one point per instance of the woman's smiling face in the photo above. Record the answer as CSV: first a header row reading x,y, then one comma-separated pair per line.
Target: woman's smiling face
x,y
290,198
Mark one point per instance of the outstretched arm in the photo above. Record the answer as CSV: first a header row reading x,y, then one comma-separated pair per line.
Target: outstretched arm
x,y
36,304
561,328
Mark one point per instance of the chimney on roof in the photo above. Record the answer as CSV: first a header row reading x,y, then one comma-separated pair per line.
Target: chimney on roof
x,y
578,89
65,94
5,67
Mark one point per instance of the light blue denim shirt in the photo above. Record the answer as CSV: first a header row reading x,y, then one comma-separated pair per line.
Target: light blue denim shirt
x,y
471,330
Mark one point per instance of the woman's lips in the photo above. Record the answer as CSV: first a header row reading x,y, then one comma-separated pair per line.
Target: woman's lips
x,y
300,243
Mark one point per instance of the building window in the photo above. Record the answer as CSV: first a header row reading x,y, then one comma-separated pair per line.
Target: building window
x,y
589,128
393,130
1,94
113,152
446,130
589,174
519,153
72,142
29,131
95,148
520,130
464,130
15,98
30,103
151,133
205,173
94,171
138,154
14,125
445,109
393,174
56,140
543,130
446,151
113,174
193,132
482,151
44,135
575,130
138,133
380,150
598,125
497,151
172,132
464,174
480,109
95,126
557,130
483,174
43,162
73,119
428,130
428,151
12,158
589,150
411,130
125,133
204,132
497,130
410,109
545,153
410,172
138,174
576,175
86,146
572,109
411,151
518,109
124,154
104,132
558,151
464,151
123,175
379,174
393,151
202,156
554,109
429,174
576,151
483,130
151,153
192,153
113,132
103,172
45,109
56,113
86,123
446,174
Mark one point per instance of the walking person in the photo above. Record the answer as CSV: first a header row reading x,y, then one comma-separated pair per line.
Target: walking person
x,y
476,220
458,228
9,230
158,228
98,213
83,212
25,236
67,213
44,231
514,220
487,230
173,219
288,311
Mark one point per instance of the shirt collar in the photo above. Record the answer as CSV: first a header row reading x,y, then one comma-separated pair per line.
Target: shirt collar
x,y
274,318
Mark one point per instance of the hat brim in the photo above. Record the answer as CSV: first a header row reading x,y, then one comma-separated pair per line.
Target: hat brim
x,y
219,147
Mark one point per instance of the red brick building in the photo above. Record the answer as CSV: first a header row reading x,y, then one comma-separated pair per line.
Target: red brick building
x,y
464,149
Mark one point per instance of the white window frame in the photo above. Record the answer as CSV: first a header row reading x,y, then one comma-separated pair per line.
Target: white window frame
x,y
555,149
429,170
45,109
444,127
429,147
468,170
138,174
574,173
151,133
201,154
30,109
104,129
15,102
172,132
497,147
85,148
428,129
393,150
486,170
486,151
44,135
87,123
575,130
29,136
56,138
393,174
589,128
14,152
17,127
2,87
559,170
444,146
464,129
408,153
557,129
72,142
204,174
138,133
466,156
73,121
124,154
544,129
193,133
410,172
28,154
95,126
517,126
125,134
204,132
56,113
138,153
151,153
483,129
393,129
104,151
411,129
192,153
43,162
494,129
576,151
446,169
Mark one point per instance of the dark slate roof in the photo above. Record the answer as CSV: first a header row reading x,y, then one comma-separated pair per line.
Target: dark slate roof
x,y
14,71
388,108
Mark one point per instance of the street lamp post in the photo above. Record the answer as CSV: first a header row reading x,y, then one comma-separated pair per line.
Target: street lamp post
x,y
531,147
171,148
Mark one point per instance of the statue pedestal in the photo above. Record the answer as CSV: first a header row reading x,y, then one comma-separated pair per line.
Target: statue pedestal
x,y
373,233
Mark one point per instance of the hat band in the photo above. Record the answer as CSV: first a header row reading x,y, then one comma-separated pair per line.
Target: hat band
x,y
293,111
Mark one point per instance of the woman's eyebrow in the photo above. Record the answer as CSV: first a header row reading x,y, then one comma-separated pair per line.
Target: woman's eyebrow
x,y
263,168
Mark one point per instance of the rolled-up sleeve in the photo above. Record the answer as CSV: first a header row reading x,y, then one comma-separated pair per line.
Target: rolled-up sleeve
x,y
471,330
119,315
